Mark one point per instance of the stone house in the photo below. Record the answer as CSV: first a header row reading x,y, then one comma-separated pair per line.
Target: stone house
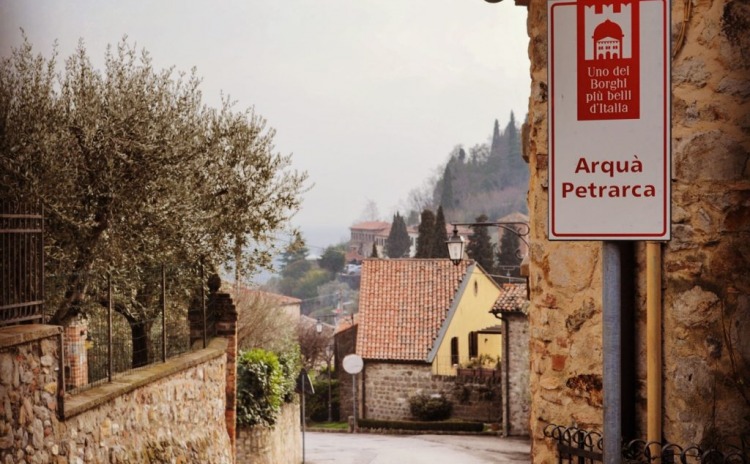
x,y
511,308
365,234
704,280
420,320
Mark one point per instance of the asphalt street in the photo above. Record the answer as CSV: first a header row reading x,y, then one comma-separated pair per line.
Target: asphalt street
x,y
344,448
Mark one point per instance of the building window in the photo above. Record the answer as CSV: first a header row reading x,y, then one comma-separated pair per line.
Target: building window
x,y
473,344
454,351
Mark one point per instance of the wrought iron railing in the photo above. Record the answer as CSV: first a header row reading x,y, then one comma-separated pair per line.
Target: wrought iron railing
x,y
579,446
21,263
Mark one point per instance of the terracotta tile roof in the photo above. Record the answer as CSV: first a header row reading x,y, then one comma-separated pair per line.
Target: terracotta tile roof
x,y
511,299
371,225
402,306
346,323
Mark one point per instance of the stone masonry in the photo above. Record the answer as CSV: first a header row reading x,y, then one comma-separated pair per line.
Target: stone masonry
x,y
280,444
706,275
173,413
516,399
388,387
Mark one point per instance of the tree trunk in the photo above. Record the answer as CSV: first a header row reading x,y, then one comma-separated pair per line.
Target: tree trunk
x,y
140,331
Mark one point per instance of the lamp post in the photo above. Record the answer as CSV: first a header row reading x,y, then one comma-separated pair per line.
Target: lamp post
x,y
456,243
329,355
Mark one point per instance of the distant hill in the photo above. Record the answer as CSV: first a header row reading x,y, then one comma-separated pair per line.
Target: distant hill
x,y
489,179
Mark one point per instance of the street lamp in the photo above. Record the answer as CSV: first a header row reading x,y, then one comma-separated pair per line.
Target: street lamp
x,y
456,243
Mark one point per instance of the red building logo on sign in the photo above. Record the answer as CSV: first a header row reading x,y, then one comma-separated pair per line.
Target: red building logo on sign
x,y
608,59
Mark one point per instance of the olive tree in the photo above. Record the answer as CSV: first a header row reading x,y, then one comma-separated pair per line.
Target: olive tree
x,y
133,170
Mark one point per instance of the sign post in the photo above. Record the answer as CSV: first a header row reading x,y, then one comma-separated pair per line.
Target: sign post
x,y
609,148
353,365
609,120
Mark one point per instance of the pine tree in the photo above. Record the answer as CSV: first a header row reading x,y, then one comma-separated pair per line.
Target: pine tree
x,y
514,167
480,248
425,239
398,243
439,248
507,257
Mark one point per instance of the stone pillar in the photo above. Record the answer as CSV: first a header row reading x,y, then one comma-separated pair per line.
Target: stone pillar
x,y
221,304
76,361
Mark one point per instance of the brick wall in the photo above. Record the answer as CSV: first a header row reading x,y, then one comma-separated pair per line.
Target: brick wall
x,y
170,412
280,444
75,334
388,387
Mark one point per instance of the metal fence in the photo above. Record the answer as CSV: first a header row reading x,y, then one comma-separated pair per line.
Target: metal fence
x,y
21,263
584,447
131,320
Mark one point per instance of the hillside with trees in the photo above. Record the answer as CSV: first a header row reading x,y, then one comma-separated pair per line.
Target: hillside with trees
x,y
489,178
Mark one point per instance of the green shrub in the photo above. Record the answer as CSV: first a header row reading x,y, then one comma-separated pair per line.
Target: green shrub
x,y
440,426
316,405
290,362
261,387
430,407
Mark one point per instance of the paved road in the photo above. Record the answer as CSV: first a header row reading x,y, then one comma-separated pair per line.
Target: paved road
x,y
343,448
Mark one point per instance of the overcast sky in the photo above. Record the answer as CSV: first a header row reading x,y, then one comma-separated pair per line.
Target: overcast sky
x,y
369,96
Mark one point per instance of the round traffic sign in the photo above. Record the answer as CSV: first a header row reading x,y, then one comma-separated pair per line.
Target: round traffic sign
x,y
353,363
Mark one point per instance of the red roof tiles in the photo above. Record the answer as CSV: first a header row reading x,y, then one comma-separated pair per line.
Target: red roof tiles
x,y
512,298
402,306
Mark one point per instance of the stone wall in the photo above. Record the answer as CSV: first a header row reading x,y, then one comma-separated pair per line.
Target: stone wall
x,y
162,413
706,283
516,397
388,387
280,444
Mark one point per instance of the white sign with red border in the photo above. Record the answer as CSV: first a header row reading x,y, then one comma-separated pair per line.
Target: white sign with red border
x,y
609,119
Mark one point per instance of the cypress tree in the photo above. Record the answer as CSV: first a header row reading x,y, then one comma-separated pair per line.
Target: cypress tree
x,y
426,237
439,248
507,259
398,243
480,248
374,252
446,198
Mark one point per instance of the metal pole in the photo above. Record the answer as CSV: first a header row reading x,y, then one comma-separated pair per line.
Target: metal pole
x,y
330,414
653,345
612,345
354,402
163,314
203,306
109,327
302,375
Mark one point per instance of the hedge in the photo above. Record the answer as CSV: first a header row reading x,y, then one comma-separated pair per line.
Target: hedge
x,y
441,426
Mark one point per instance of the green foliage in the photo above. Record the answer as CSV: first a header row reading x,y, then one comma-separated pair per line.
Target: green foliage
x,y
492,179
439,248
374,251
316,405
333,260
507,256
426,234
480,248
430,407
134,170
290,362
398,243
441,426
264,382
446,196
